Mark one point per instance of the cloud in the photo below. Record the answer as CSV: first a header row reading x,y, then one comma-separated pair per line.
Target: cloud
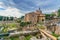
x,y
10,11
48,11
1,3
29,5
20,7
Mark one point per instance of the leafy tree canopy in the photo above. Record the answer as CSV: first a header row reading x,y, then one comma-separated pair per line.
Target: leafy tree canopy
x,y
58,12
49,16
24,23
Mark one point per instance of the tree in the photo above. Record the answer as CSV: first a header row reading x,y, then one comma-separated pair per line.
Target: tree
x,y
22,17
24,23
4,19
52,14
11,18
1,17
7,18
18,20
58,12
49,16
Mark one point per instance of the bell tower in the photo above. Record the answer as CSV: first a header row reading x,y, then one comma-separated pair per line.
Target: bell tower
x,y
39,11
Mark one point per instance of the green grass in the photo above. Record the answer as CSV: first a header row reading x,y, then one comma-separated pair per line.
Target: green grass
x,y
56,35
10,26
27,37
17,38
14,38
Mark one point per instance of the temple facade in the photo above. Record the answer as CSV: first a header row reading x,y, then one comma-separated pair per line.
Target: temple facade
x,y
35,17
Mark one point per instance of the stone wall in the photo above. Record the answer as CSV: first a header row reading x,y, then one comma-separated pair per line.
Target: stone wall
x,y
57,30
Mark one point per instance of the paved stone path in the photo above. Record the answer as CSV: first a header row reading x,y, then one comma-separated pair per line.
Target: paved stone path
x,y
47,34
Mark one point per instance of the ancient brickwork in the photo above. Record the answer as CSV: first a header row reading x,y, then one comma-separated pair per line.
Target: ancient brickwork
x,y
35,17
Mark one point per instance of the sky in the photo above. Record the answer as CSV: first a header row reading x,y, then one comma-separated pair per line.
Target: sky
x,y
18,8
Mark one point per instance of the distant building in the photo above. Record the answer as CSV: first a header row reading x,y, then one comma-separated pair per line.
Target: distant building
x,y
56,13
56,18
8,19
34,17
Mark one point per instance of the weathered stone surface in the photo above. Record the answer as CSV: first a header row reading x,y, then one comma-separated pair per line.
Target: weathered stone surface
x,y
21,37
34,38
57,30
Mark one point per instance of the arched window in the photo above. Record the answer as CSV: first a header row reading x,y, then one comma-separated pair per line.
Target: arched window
x,y
42,19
